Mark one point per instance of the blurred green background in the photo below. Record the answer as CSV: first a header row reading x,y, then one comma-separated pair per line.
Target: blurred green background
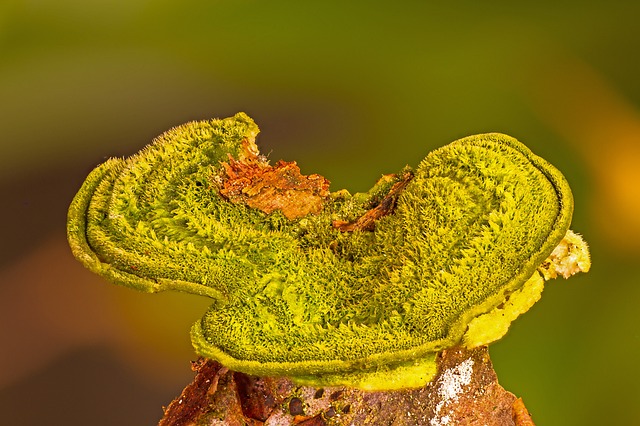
x,y
349,90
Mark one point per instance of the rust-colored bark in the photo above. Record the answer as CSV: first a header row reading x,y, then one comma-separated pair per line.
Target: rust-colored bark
x,y
521,414
194,402
465,392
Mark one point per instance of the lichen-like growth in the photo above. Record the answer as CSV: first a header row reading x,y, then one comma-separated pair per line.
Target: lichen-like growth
x,y
359,289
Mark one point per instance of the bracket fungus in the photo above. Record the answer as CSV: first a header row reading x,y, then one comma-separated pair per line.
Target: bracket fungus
x,y
328,288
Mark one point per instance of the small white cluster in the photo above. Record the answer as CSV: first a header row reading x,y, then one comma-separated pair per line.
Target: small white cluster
x,y
449,386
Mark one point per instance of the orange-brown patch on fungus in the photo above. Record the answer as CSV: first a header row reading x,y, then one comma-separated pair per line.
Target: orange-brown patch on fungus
x,y
367,221
252,181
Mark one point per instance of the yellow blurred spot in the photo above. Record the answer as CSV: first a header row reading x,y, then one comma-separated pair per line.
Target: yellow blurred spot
x,y
604,128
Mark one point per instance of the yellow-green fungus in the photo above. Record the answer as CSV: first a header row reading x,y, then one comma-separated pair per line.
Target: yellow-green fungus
x,y
330,288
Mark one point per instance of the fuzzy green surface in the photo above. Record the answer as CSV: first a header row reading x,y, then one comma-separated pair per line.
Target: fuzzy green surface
x,y
299,298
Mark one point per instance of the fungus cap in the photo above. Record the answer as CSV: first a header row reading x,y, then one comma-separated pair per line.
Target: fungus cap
x,y
362,289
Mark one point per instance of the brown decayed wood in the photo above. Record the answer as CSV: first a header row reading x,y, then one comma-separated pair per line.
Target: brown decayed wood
x,y
464,392
521,415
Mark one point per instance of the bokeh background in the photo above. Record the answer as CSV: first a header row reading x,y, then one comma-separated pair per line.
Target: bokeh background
x,y
349,90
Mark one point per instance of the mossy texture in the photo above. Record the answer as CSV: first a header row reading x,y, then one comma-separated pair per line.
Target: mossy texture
x,y
296,296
